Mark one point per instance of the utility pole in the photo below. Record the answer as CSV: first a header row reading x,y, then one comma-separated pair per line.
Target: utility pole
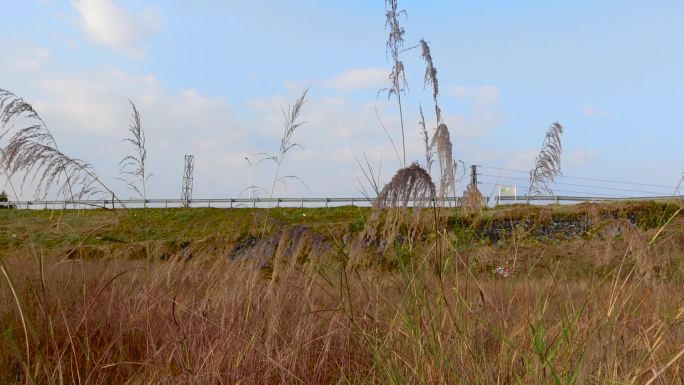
x,y
473,175
186,188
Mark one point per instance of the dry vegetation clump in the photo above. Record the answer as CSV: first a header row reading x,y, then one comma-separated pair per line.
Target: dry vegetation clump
x,y
410,185
472,201
398,211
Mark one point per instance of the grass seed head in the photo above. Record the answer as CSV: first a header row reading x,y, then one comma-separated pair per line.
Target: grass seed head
x,y
548,163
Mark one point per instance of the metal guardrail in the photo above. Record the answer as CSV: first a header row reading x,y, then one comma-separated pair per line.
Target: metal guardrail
x,y
220,202
563,198
291,202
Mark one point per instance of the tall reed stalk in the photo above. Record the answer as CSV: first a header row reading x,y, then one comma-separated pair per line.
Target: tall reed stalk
x,y
397,77
548,162
134,165
32,151
291,120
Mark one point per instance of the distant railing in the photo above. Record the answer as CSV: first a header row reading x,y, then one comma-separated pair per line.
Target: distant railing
x,y
563,198
293,202
218,203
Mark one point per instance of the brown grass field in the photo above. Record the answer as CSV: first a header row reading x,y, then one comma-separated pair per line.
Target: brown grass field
x,y
80,303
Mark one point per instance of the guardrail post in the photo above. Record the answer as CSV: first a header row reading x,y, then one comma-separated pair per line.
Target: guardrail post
x,y
231,203
352,202
209,203
302,202
278,202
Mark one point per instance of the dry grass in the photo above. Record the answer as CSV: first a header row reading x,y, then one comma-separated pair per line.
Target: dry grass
x,y
31,150
208,321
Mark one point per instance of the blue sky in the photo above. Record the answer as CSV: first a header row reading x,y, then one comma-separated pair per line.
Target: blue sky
x,y
209,79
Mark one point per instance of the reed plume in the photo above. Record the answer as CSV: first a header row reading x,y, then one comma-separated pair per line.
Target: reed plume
x,y
409,185
291,121
547,163
397,77
32,151
441,143
430,78
135,165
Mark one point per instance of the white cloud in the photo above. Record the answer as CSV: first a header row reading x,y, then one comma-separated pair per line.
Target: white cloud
x,y
359,79
110,25
477,125
23,56
335,118
89,114
82,106
483,96
485,113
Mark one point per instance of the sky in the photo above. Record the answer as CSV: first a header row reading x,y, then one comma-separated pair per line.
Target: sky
x,y
210,78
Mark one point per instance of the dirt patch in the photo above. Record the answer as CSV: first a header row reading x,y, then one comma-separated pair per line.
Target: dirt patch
x,y
298,243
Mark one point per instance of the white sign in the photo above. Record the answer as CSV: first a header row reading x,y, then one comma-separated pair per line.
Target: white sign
x,y
508,191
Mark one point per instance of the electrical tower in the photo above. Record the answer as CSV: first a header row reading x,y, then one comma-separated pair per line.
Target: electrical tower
x,y
186,191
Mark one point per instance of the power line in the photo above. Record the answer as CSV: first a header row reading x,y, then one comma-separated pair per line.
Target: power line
x,y
575,185
572,192
584,178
